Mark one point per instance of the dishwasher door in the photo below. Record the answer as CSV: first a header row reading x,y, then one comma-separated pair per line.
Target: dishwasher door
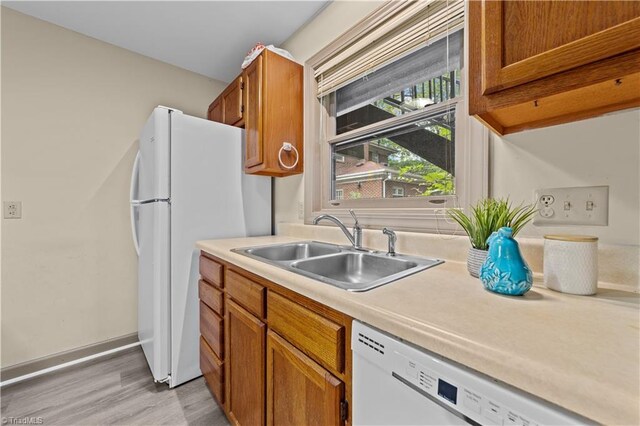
x,y
380,398
396,383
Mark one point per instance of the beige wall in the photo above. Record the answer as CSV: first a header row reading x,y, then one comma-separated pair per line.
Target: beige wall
x,y
72,108
334,20
600,151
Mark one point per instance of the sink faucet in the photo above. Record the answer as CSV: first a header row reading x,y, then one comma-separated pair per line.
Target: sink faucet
x,y
356,238
392,241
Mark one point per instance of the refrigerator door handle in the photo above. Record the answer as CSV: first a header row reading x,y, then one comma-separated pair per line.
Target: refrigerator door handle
x,y
134,184
149,201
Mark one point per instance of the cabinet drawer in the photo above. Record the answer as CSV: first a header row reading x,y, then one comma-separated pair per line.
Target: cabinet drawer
x,y
211,296
246,292
318,337
211,329
211,271
212,370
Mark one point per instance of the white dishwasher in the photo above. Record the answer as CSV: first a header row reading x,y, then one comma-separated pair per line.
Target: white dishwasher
x,y
397,384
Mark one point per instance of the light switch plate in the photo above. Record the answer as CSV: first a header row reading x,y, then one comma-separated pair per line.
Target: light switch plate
x,y
586,205
12,209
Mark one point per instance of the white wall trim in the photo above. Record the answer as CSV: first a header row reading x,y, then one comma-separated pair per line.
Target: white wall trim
x,y
67,364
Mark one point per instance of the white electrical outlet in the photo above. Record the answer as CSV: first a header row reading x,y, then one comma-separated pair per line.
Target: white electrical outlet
x,y
588,205
300,210
12,209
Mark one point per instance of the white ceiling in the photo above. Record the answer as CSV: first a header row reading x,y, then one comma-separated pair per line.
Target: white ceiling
x,y
207,37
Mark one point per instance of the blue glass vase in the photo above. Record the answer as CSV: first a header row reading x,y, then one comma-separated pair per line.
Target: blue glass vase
x,y
505,271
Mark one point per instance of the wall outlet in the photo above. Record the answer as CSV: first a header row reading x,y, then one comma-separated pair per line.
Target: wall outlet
x,y
300,210
12,209
588,205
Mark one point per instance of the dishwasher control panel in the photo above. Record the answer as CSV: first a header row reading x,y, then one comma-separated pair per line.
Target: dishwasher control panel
x,y
470,403
447,386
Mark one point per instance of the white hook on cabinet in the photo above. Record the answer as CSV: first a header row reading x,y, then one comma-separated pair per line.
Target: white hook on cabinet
x,y
286,146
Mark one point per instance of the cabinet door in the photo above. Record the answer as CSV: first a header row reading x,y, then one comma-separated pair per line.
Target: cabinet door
x,y
299,391
245,376
252,77
232,102
523,41
215,111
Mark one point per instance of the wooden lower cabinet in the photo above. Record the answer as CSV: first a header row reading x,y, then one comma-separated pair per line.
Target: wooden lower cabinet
x,y
315,335
269,355
210,292
245,337
299,390
212,329
212,370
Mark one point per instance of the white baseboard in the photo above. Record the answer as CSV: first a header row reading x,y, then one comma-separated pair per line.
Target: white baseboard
x,y
66,364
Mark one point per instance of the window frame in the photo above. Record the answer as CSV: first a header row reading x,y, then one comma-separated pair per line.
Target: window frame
x,y
410,213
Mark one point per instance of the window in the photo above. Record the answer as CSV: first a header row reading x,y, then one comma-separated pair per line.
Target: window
x,y
409,106
398,191
395,138
419,153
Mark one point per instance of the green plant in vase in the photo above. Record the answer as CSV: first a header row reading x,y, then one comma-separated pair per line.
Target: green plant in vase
x,y
486,217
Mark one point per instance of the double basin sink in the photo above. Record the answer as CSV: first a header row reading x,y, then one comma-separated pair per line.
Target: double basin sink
x,y
341,266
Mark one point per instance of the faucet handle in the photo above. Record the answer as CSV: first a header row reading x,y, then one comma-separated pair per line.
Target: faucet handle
x,y
353,215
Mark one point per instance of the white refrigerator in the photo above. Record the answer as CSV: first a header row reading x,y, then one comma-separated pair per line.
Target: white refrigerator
x,y
187,184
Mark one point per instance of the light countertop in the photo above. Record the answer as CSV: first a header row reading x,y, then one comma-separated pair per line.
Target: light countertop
x,y
581,353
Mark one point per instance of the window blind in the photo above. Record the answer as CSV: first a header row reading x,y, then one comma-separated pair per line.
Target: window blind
x,y
431,61
410,25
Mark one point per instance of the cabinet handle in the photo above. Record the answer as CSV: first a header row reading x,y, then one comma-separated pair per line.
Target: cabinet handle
x,y
241,108
286,146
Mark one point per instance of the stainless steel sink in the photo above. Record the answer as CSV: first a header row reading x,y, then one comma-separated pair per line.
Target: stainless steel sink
x,y
294,251
341,266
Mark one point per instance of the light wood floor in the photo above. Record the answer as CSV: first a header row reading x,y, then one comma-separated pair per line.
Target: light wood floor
x,y
114,390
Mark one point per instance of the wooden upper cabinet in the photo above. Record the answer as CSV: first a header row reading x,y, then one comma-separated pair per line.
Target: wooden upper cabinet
x,y
215,111
227,108
273,99
539,63
299,391
253,117
245,369
232,103
267,101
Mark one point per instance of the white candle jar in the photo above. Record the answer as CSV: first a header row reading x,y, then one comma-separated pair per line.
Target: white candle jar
x,y
571,263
